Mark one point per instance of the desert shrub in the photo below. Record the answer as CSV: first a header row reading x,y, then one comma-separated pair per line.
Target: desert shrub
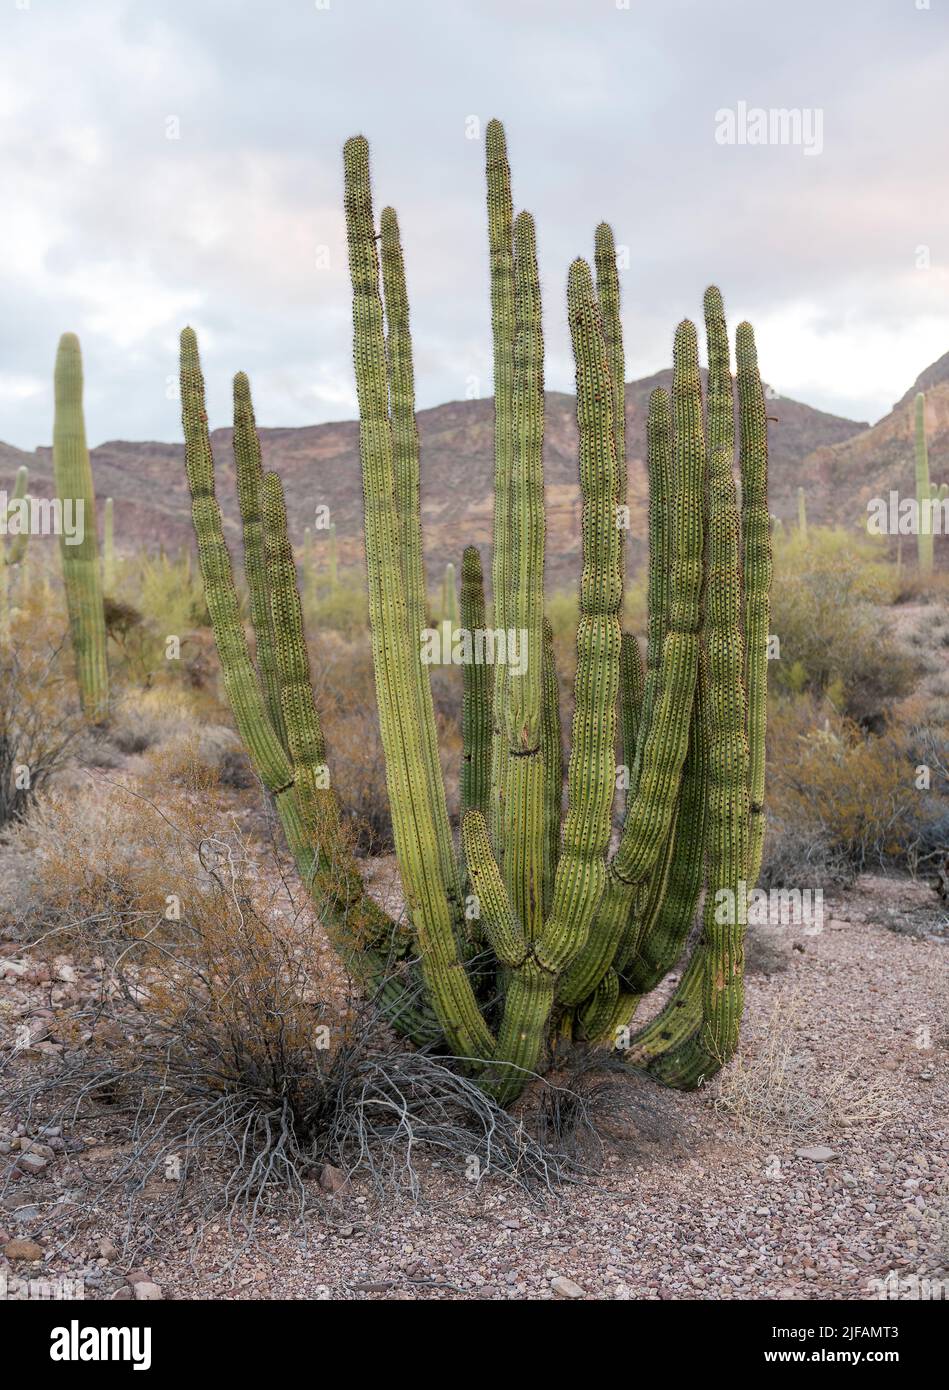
x,y
822,613
343,610
39,709
223,1034
852,794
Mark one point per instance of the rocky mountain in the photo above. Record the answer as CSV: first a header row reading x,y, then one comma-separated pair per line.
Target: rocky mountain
x,y
842,477
319,465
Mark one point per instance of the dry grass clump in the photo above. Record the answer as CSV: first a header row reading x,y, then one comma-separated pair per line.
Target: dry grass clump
x,y
222,1051
768,1088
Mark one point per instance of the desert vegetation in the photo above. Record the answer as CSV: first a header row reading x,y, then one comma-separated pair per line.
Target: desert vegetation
x,y
294,915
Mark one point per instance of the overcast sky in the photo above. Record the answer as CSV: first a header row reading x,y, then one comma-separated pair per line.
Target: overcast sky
x,y
114,230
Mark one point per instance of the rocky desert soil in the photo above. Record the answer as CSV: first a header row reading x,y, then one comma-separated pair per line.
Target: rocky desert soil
x,y
816,1166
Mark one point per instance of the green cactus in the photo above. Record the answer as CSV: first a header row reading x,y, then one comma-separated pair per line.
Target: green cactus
x,y
74,487
575,935
108,546
12,554
802,513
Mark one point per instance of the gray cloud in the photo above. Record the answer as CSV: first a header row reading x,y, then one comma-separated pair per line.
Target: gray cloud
x,y
123,235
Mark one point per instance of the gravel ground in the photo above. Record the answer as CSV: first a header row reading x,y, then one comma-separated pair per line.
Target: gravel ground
x,y
819,1164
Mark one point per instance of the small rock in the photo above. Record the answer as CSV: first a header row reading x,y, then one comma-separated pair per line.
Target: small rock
x,y
31,1163
566,1288
23,1250
148,1293
138,1276
123,1292
333,1179
820,1153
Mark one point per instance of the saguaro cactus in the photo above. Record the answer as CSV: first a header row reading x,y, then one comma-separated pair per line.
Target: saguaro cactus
x,y
924,534
802,513
574,936
74,488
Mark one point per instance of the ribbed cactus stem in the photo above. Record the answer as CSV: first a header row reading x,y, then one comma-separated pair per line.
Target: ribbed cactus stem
x,y
450,596
393,648
249,466
924,534
477,691
74,488
501,251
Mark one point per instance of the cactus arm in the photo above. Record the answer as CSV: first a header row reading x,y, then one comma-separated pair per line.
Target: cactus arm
x,y
524,784
591,773
476,713
81,576
649,816
249,493
501,249
240,679
607,289
552,746
721,951
630,698
405,456
394,656
501,926
756,570
924,538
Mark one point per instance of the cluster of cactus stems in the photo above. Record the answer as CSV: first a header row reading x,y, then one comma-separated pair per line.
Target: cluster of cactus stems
x,y
81,568
533,932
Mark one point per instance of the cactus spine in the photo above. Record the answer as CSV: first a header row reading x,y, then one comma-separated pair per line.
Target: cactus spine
x,y
574,935
74,487
924,534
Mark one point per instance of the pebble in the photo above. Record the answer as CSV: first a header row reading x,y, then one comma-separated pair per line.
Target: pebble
x,y
566,1288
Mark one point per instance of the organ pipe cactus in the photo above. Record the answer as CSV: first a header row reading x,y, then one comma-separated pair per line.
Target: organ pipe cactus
x,y
573,935
81,574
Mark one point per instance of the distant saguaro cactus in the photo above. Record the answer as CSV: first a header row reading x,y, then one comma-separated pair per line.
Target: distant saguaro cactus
x,y
74,487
